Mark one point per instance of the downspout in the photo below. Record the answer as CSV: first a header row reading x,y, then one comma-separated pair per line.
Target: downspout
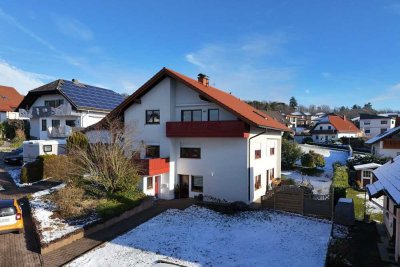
x,y
249,179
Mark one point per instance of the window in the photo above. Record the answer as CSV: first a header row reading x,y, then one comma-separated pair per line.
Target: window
x,y
329,127
367,122
47,148
152,116
257,153
55,123
272,151
44,125
272,174
213,115
54,103
366,173
149,182
70,123
258,182
367,131
383,122
320,127
197,183
152,151
383,130
190,152
191,115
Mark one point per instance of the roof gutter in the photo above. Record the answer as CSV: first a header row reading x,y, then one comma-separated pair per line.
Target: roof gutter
x,y
248,169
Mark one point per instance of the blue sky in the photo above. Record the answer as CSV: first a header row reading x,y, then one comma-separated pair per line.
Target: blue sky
x,y
322,52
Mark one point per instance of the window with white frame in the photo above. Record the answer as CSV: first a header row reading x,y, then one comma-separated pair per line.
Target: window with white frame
x,y
367,174
149,183
257,184
197,183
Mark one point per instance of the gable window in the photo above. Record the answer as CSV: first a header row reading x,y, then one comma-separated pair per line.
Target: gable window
x,y
366,173
153,116
257,183
383,122
197,183
329,127
320,127
54,103
149,182
213,114
190,152
70,123
44,125
367,131
152,151
191,115
272,151
367,122
55,123
257,153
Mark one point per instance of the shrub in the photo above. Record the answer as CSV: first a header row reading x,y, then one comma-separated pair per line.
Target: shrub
x,y
312,160
358,159
340,182
18,139
72,203
57,166
11,126
288,181
32,172
308,140
77,139
291,152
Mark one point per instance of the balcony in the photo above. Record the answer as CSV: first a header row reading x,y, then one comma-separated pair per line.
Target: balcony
x,y
59,132
44,111
150,167
326,131
207,129
391,144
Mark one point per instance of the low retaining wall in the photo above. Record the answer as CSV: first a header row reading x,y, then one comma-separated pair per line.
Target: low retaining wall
x,y
93,228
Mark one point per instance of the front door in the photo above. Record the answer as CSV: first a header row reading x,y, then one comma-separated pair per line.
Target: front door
x,y
157,185
184,186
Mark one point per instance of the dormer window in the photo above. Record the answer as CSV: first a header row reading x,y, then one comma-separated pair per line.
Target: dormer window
x,y
54,103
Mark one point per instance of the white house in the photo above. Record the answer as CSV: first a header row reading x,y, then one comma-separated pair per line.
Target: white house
x,y
388,185
9,100
386,144
54,109
372,125
201,139
332,127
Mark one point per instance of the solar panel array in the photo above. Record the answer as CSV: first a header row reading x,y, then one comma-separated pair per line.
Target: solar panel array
x,y
87,96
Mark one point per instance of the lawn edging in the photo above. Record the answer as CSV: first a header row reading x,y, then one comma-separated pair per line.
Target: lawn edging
x,y
87,230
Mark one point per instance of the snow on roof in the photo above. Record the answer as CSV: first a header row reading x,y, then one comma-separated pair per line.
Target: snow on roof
x,y
367,166
383,135
388,176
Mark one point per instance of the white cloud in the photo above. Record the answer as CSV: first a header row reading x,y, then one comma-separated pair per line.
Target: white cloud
x,y
23,81
73,28
247,67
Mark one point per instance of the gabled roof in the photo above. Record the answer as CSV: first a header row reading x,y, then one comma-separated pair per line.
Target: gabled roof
x,y
9,98
342,125
227,101
81,96
388,181
381,136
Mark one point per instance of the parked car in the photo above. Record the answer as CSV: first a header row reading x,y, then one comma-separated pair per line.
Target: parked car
x,y
15,157
11,216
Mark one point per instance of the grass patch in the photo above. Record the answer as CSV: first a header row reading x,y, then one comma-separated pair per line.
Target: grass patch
x,y
359,204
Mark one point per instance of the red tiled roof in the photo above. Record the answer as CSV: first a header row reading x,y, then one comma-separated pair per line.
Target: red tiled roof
x,y
232,104
342,125
9,98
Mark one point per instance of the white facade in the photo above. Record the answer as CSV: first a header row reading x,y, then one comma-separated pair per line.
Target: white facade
x,y
326,135
227,165
59,125
373,127
378,150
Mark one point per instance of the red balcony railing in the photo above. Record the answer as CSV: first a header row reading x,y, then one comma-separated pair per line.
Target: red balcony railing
x,y
207,129
150,167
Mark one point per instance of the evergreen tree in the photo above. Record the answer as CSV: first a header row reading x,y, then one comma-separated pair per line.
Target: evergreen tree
x,y
293,103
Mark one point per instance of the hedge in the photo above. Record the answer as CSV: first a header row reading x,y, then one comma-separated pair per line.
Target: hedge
x,y
340,181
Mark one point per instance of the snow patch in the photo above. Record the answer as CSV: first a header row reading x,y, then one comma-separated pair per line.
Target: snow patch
x,y
50,227
201,237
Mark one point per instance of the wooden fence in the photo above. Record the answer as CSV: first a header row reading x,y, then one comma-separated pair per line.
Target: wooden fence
x,y
295,199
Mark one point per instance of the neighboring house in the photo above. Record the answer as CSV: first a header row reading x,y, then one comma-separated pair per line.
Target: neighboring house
x,y
364,173
9,101
332,127
278,116
54,109
299,119
388,185
372,125
386,144
202,139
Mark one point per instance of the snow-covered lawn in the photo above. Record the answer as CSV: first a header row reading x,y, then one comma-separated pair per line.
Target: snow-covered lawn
x,y
51,228
323,182
371,207
201,237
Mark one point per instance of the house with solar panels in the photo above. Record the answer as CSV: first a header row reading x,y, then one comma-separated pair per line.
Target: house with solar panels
x,y
58,108
193,139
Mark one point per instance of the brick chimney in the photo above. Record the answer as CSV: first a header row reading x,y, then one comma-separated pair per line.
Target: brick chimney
x,y
203,79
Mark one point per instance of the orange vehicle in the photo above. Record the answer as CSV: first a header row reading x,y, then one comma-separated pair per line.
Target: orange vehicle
x,y
10,216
